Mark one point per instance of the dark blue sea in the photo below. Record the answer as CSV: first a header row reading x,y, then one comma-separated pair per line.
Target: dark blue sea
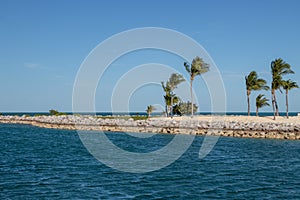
x,y
37,163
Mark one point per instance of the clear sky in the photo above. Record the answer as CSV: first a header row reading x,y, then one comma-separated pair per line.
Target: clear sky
x,y
43,43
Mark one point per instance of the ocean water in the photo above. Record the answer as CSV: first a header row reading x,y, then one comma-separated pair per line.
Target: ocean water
x,y
37,163
153,114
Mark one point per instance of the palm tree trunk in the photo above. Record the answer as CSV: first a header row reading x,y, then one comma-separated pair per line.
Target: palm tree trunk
x,y
191,90
167,110
256,111
287,103
276,105
273,103
248,101
171,110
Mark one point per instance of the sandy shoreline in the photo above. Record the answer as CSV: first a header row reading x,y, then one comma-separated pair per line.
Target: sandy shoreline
x,y
232,126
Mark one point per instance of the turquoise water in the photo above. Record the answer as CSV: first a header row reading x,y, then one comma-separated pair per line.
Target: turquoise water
x,y
38,163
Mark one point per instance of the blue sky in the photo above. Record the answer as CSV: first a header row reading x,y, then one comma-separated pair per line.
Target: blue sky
x,y
43,44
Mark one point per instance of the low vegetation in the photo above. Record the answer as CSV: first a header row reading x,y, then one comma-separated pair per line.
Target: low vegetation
x,y
134,117
56,113
185,108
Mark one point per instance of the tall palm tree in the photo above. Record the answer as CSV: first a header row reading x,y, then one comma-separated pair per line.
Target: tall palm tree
x,y
197,68
149,110
288,85
279,68
173,82
261,101
254,83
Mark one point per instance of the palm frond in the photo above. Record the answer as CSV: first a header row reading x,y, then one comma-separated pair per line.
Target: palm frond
x,y
261,101
166,87
279,68
198,66
286,71
187,67
289,84
255,83
175,80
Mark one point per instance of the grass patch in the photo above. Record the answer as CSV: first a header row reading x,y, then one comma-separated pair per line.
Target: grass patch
x,y
139,117
38,115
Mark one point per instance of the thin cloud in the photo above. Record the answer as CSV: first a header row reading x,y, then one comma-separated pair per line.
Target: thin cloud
x,y
59,76
30,65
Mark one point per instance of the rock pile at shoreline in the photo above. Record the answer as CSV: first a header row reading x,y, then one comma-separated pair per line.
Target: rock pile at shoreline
x,y
231,126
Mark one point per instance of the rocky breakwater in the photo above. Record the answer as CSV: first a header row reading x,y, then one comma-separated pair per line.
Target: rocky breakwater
x,y
232,126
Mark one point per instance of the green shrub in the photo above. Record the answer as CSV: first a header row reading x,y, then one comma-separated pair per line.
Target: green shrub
x,y
53,112
185,108
56,113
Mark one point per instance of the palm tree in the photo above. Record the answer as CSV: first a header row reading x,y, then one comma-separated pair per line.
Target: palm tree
x,y
254,83
167,96
279,68
288,85
149,110
261,101
173,82
197,67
